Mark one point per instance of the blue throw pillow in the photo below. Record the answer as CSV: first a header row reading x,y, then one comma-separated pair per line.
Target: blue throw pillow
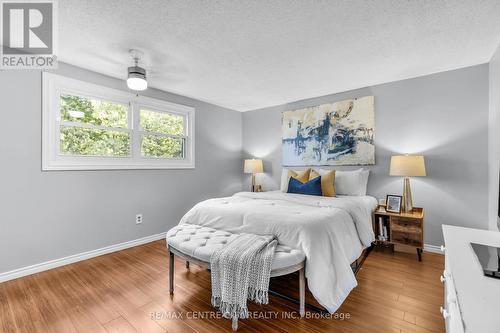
x,y
312,187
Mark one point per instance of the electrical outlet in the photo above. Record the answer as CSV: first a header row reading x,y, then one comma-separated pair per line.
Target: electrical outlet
x,y
138,219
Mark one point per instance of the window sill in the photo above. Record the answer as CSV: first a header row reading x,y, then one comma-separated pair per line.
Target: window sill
x,y
113,167
114,163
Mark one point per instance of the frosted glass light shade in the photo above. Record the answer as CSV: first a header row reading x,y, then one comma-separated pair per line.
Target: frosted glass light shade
x,y
408,166
137,83
136,79
253,166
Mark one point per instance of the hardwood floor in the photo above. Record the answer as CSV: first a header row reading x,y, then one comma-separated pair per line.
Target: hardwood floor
x,y
127,291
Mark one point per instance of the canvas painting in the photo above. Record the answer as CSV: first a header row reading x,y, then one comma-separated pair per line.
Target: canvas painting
x,y
338,133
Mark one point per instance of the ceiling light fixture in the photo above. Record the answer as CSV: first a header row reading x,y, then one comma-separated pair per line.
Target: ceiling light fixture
x,y
136,79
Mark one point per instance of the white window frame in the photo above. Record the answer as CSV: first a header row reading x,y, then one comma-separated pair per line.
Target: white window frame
x,y
53,86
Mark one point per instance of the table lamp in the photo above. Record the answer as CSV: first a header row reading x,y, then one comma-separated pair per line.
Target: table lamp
x,y
253,166
407,166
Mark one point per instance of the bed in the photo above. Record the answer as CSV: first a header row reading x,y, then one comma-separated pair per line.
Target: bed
x,y
331,231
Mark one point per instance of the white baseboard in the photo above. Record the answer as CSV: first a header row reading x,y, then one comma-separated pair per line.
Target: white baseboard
x,y
28,270
433,248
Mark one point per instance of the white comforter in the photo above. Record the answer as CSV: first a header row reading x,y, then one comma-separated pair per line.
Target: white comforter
x,y
332,232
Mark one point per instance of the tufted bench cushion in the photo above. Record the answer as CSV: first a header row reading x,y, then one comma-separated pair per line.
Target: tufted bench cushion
x,y
197,243
200,242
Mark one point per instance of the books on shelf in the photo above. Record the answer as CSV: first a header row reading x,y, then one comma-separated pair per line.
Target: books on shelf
x,y
382,229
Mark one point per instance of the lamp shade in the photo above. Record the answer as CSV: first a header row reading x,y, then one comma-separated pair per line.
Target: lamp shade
x,y
253,166
407,166
137,78
137,83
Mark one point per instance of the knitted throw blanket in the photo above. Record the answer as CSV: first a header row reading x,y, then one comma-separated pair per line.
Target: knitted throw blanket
x,y
241,270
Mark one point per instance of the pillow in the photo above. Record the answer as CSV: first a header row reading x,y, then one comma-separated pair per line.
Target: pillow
x,y
351,182
365,174
312,187
301,175
327,181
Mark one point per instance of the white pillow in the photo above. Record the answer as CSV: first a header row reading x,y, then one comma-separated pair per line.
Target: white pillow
x,y
364,181
351,182
284,180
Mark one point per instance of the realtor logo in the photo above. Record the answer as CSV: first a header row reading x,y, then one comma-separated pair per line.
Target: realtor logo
x,y
28,34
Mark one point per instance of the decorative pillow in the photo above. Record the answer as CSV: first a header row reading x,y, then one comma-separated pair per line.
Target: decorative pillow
x,y
327,181
301,175
351,182
312,187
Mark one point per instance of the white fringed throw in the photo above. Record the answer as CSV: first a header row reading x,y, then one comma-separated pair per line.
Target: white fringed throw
x,y
241,270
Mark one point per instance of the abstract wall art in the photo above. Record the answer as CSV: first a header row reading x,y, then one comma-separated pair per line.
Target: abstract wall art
x,y
338,133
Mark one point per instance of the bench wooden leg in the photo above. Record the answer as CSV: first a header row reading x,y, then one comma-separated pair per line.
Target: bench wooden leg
x,y
234,323
187,264
302,292
171,272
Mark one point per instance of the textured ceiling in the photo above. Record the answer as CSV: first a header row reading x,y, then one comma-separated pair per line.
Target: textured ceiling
x,y
248,54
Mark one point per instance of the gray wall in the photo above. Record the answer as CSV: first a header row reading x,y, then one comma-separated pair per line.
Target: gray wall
x,y
442,116
494,139
49,215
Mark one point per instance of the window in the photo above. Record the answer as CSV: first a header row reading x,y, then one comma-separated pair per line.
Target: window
x,y
88,127
92,127
162,134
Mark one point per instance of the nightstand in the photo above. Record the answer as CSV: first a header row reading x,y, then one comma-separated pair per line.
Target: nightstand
x,y
402,229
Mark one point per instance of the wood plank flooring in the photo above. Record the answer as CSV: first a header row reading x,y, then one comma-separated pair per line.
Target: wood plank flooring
x,y
127,291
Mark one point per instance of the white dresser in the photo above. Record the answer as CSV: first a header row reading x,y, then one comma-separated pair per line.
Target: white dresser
x,y
472,300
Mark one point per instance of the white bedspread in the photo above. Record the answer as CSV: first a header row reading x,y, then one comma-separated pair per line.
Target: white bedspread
x,y
332,232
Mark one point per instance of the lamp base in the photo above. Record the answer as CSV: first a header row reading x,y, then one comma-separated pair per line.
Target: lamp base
x,y
407,205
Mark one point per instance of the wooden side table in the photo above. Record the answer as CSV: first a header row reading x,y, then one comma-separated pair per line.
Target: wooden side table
x,y
403,228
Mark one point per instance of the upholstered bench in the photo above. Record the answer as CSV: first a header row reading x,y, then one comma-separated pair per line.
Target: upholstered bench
x,y
196,244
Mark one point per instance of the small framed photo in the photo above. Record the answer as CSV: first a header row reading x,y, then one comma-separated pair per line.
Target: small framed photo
x,y
393,203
